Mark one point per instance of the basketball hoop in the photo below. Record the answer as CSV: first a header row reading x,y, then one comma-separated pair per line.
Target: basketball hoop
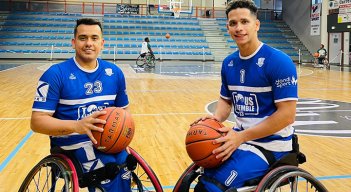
x,y
176,12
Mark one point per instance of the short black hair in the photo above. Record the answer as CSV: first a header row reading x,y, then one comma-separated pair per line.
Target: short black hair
x,y
248,4
146,39
87,21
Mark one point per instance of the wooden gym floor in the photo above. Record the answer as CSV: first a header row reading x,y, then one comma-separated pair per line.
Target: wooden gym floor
x,y
164,101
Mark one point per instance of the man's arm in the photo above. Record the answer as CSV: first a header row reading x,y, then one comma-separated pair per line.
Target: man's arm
x,y
284,116
44,123
223,109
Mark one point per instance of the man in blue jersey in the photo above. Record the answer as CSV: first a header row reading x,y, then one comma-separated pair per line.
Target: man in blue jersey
x,y
69,99
259,84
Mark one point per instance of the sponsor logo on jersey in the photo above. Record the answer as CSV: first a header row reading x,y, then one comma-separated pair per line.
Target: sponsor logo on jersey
x,y
108,72
289,81
84,110
245,104
42,92
260,61
231,63
72,77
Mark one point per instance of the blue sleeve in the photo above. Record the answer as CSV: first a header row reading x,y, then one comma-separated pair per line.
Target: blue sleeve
x,y
47,93
122,97
225,93
283,76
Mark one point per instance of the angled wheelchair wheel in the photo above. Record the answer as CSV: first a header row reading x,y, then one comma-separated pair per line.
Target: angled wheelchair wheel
x,y
140,61
188,179
150,61
289,179
143,177
53,173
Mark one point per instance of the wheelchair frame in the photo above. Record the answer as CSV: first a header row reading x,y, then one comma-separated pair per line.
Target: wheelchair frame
x,y
283,175
147,61
62,173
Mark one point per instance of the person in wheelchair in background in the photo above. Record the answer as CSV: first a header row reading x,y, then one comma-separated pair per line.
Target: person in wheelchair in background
x,y
321,56
146,57
146,47
264,104
69,99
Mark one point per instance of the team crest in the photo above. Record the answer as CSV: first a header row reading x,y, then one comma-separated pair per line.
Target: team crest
x,y
260,61
108,71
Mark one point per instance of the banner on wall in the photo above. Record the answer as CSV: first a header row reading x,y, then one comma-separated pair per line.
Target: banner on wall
x,y
127,9
315,19
344,15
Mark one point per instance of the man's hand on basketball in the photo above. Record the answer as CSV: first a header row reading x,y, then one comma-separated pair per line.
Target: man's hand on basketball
x,y
231,141
88,124
203,118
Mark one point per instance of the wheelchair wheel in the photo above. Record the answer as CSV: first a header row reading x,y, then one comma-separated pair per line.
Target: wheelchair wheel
x,y
140,61
289,179
143,177
188,179
326,63
150,61
53,173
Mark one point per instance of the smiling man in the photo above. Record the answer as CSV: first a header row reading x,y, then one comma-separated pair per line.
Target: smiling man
x,y
260,84
72,94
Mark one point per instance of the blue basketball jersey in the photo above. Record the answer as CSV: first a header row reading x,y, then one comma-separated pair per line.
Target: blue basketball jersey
x,y
254,84
71,92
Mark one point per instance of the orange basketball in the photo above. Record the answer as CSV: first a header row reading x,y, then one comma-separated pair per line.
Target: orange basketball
x,y
168,36
199,142
118,130
315,54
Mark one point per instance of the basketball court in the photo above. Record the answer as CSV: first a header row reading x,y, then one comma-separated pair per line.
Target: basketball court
x,y
165,101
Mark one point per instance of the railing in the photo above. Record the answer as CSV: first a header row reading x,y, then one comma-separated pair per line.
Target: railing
x,y
99,8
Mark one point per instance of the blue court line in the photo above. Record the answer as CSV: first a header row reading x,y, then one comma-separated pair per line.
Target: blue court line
x,y
334,177
14,152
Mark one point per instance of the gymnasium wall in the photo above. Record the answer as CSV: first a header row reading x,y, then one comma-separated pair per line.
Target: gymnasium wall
x,y
297,15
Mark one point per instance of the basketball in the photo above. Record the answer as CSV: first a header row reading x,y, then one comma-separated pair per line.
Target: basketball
x,y
118,130
315,54
199,142
168,36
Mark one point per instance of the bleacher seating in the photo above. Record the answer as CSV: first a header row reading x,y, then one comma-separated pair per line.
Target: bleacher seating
x,y
50,35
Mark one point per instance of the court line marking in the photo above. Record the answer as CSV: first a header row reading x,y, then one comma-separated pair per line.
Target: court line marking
x,y
15,151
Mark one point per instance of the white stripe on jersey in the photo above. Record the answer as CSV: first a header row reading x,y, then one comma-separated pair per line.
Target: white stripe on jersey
x,y
83,101
250,89
43,110
246,147
286,99
276,145
77,145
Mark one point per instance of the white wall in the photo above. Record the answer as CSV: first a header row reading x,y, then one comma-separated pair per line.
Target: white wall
x,y
297,15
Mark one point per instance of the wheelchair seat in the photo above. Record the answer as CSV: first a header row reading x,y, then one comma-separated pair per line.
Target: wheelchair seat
x,y
94,178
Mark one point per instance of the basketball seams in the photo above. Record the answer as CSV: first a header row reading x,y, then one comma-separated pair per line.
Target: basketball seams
x,y
200,137
215,129
103,126
120,133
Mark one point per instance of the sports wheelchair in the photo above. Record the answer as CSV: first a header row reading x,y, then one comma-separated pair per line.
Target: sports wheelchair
x,y
146,60
60,171
325,62
283,176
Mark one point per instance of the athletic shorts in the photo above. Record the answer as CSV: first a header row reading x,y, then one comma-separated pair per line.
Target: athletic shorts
x,y
246,163
92,159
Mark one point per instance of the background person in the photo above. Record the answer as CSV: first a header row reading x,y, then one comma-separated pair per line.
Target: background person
x,y
146,47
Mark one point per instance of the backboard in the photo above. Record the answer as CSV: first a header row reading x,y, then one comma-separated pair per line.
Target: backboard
x,y
167,6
